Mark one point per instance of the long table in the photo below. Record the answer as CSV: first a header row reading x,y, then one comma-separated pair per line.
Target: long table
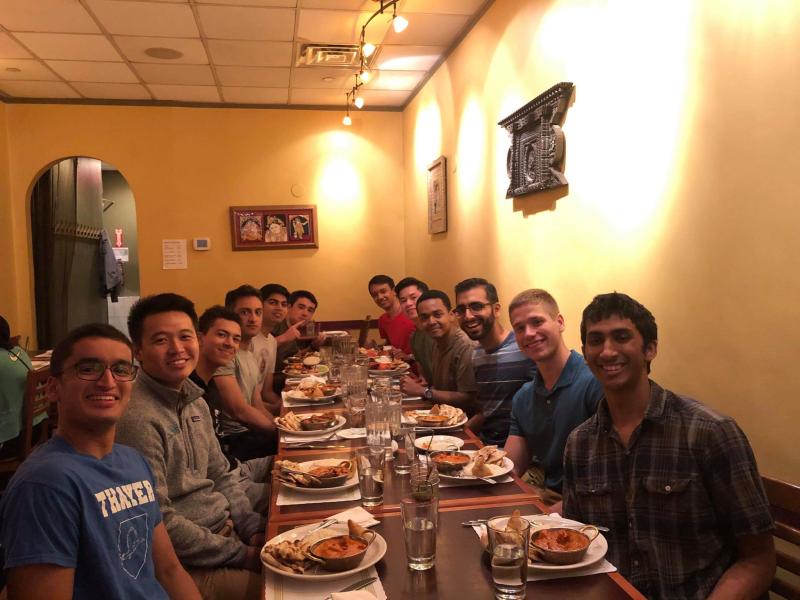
x,y
461,567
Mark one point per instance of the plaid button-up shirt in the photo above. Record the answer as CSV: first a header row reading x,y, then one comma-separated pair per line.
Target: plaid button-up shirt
x,y
675,499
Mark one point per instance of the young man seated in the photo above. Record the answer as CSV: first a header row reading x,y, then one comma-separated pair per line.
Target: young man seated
x,y
408,291
393,325
674,481
213,528
80,517
302,306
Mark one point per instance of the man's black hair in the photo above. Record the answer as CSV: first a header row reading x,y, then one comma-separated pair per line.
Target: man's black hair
x,y
297,294
408,282
473,282
214,313
156,304
432,294
274,288
243,291
380,280
63,349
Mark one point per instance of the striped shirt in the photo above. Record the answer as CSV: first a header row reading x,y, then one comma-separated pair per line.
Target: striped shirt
x,y
675,500
499,373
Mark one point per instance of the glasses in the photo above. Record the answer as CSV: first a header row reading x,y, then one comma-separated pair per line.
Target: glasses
x,y
93,370
474,307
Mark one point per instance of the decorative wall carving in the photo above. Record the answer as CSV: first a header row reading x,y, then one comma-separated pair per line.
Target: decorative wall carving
x,y
536,156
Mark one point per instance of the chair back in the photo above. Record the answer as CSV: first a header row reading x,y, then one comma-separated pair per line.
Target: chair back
x,y
784,500
36,404
364,331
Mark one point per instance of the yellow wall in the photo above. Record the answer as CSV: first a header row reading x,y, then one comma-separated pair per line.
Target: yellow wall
x,y
186,166
684,175
8,308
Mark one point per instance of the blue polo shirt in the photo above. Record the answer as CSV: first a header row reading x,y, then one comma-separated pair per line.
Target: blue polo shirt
x,y
545,418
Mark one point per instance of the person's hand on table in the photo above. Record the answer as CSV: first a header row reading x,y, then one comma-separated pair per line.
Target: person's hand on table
x,y
398,353
290,334
411,385
257,539
252,560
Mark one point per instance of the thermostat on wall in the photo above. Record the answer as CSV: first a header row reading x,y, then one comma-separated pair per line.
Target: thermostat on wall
x,y
201,243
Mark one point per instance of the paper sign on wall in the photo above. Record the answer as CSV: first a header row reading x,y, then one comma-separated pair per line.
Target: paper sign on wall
x,y
173,254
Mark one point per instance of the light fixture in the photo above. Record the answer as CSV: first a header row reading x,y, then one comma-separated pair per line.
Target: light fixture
x,y
365,50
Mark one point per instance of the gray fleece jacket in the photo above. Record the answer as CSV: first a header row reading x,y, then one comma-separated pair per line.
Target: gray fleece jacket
x,y
195,489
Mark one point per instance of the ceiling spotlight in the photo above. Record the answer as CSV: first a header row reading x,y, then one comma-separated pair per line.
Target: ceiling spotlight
x,y
359,102
369,49
13,69
347,121
163,53
399,24
365,76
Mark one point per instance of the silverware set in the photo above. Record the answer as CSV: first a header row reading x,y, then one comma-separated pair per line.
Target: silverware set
x,y
356,586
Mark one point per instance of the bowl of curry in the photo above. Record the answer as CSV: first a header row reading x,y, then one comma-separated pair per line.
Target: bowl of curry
x,y
562,545
448,461
343,552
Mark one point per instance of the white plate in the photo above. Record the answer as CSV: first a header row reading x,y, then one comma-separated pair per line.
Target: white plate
x,y
336,333
448,442
390,372
497,470
340,420
320,370
455,425
353,433
299,396
350,482
374,553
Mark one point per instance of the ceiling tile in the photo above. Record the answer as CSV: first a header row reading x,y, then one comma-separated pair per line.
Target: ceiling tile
x,y
185,93
275,3
452,7
67,46
76,70
247,23
37,89
254,76
408,58
250,54
315,77
363,5
395,80
318,97
255,95
61,16
29,70
113,91
339,27
384,97
11,49
145,18
134,50
429,30
175,74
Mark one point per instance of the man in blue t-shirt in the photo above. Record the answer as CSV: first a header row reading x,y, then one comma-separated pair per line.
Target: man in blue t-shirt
x,y
563,394
80,517
499,365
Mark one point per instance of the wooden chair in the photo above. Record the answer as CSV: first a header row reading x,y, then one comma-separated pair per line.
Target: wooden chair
x,y
363,331
784,500
35,403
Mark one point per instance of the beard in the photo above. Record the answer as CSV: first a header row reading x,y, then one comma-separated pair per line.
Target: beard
x,y
486,325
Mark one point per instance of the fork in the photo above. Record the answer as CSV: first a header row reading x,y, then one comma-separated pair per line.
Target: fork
x,y
326,523
304,442
355,586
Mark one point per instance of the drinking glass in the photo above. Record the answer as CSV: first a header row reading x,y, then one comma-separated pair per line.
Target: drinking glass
x,y
509,552
419,530
355,407
377,422
370,463
424,481
326,354
406,452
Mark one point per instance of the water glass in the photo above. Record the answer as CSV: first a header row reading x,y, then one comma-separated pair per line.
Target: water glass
x,y
355,408
395,403
419,531
370,463
406,452
377,423
509,552
424,481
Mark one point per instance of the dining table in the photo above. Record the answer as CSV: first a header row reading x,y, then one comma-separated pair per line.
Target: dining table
x,y
461,567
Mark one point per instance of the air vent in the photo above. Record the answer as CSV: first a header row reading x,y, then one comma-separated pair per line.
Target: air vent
x,y
329,55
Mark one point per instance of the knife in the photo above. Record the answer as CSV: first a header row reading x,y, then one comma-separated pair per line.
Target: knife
x,y
356,586
310,447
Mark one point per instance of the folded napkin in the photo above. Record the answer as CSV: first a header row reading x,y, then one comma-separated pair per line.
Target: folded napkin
x,y
356,595
444,483
288,496
288,438
283,588
602,566
357,514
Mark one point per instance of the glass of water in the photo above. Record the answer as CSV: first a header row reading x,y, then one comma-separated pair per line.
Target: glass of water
x,y
377,422
406,453
370,463
509,552
419,530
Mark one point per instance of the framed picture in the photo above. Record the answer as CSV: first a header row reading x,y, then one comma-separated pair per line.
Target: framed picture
x,y
273,227
437,196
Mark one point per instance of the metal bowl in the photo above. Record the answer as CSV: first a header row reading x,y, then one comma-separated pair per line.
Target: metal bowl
x,y
459,461
344,563
563,557
317,425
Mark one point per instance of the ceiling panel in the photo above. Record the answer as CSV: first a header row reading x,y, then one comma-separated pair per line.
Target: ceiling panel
x,y
361,5
37,89
408,58
67,46
384,98
62,16
78,70
325,78
178,74
317,97
452,7
275,3
25,70
113,91
253,76
186,93
247,23
11,49
339,26
251,54
395,80
134,50
145,18
256,95
429,30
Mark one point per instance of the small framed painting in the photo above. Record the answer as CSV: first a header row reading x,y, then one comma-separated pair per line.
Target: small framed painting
x,y
273,227
437,196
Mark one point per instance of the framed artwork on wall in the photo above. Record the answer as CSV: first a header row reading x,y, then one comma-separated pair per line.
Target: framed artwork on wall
x,y
273,227
437,196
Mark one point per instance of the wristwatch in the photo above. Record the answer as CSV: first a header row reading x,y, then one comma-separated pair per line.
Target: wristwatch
x,y
428,393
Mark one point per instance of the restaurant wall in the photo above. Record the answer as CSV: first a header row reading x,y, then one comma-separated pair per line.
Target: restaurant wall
x,y
681,155
8,307
186,166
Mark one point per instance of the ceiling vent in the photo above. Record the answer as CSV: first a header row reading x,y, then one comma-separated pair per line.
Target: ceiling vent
x,y
329,55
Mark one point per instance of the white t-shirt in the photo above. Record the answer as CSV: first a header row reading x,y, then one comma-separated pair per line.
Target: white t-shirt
x,y
265,348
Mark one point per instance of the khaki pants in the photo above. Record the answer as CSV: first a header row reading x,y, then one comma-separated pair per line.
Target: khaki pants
x,y
228,584
535,477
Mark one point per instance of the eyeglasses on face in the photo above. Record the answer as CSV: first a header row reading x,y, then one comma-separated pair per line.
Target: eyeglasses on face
x,y
93,370
474,307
